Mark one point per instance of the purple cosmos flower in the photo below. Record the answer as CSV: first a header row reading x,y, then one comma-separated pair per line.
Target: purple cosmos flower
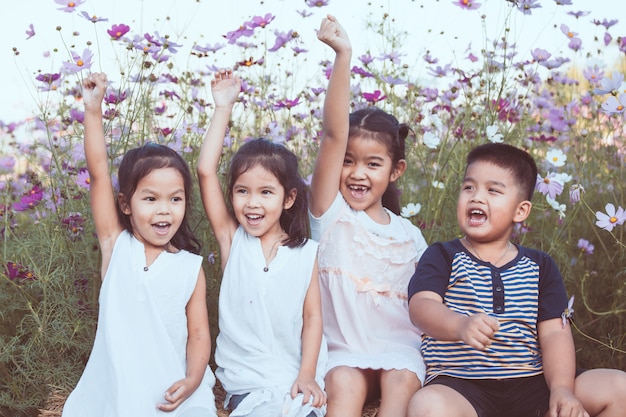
x,y
286,103
614,105
29,200
551,185
610,85
578,14
593,74
621,43
606,23
30,32
526,6
77,116
304,13
607,38
82,178
555,63
567,32
93,18
297,50
563,2
281,40
79,63
392,80
374,97
366,59
74,224
585,246
430,94
611,218
575,193
115,97
362,72
428,58
117,31
17,272
260,22
208,47
466,4
392,56
540,55
69,5
316,3
234,35
439,71
575,44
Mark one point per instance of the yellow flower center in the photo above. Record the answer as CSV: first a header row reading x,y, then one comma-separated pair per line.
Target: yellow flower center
x,y
613,219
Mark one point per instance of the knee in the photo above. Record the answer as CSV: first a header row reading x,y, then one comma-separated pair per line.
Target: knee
x,y
426,402
400,378
342,379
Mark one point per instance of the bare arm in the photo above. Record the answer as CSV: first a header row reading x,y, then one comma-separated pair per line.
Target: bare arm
x,y
327,171
225,88
559,368
198,348
434,318
311,342
103,207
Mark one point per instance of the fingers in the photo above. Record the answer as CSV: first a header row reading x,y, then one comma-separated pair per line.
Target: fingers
x,y
174,396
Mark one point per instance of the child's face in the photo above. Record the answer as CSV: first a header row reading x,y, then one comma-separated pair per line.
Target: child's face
x,y
258,201
157,207
366,173
490,202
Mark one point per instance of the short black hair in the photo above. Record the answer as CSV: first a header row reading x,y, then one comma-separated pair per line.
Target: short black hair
x,y
516,160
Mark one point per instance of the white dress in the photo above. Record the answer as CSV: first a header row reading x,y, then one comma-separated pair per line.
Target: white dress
x,y
259,347
365,269
140,345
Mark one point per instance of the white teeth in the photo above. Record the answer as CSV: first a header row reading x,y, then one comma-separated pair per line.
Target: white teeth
x,y
476,212
161,224
254,216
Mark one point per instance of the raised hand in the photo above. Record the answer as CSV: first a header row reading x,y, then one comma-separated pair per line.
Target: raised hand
x,y
225,87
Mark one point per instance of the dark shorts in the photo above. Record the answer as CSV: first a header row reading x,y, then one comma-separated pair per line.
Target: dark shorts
x,y
517,397
235,400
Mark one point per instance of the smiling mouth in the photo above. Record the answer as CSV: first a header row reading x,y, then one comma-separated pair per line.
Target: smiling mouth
x,y
358,190
477,217
161,227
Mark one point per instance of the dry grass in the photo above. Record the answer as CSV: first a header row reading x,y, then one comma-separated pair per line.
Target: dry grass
x,y
56,399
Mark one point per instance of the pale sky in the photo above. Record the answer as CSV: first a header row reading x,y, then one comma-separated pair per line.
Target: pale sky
x,y
435,25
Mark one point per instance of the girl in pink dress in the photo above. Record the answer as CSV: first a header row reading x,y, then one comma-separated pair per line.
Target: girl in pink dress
x,y
367,253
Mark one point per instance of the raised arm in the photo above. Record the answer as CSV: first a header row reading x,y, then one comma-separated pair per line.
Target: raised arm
x,y
327,172
225,88
103,208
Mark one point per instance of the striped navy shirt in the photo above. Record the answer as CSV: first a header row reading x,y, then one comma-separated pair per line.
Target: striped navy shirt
x,y
525,291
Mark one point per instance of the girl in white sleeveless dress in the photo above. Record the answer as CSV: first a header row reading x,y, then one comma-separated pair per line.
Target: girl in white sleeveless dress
x,y
151,351
269,350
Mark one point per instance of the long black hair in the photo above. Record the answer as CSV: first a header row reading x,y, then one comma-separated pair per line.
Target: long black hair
x,y
283,164
138,163
376,124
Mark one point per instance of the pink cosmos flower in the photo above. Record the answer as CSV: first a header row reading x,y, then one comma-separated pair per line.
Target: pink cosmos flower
x,y
466,4
30,32
611,218
585,247
117,31
69,5
551,185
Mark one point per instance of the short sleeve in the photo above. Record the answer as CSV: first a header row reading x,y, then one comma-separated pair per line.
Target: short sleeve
x,y
552,294
432,272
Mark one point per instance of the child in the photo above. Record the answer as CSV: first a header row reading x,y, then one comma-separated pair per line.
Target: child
x,y
367,253
496,337
152,345
269,349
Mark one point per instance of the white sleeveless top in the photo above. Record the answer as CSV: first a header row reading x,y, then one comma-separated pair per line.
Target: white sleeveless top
x,y
140,345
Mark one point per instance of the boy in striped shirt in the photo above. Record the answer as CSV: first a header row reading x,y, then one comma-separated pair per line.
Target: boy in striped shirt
x,y
494,314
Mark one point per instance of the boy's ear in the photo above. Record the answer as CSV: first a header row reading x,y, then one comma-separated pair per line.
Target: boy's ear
x,y
398,170
290,199
121,200
523,211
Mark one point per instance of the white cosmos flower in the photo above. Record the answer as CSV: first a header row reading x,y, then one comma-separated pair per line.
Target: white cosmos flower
x,y
556,157
431,140
438,184
493,135
558,207
411,209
